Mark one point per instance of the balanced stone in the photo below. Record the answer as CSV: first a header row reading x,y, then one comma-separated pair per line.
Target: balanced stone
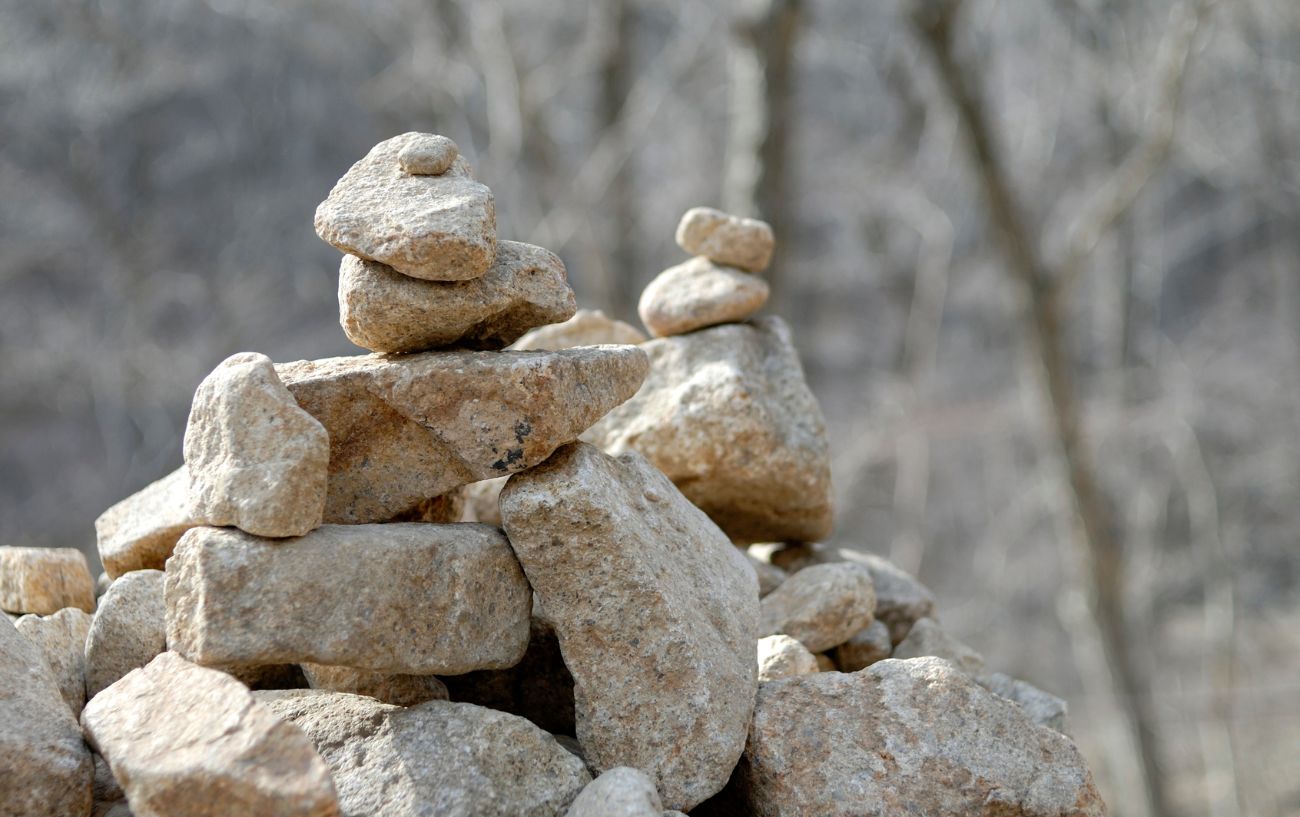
x,y
140,532
384,311
864,648
440,228
398,689
397,598
619,792
403,429
699,294
428,155
62,639
822,606
255,459
780,656
129,629
656,613
928,638
588,327
44,580
738,242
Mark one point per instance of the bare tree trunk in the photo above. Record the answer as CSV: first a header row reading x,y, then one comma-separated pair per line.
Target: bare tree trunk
x,y
616,66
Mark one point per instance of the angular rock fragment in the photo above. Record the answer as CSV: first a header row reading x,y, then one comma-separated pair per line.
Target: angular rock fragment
x,y
927,638
428,155
407,428
866,647
482,501
822,606
187,741
396,689
780,656
45,767
738,242
384,311
440,228
588,327
129,629
44,580
699,294
436,758
140,532
655,610
1043,708
726,414
398,598
62,639
619,792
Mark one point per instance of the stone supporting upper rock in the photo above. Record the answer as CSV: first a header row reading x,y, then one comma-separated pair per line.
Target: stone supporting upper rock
x,y
699,294
129,629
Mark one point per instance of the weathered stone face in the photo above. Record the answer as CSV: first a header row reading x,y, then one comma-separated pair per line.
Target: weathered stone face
x,y
698,294
62,639
129,629
588,327
619,792
822,606
44,580
739,242
140,532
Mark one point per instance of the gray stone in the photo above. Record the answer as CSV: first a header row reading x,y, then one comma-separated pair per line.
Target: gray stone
x,y
698,294
928,638
588,327
866,647
44,580
740,242
1043,708
822,606
62,639
129,629
770,576
780,656
140,532
619,792
396,689
427,155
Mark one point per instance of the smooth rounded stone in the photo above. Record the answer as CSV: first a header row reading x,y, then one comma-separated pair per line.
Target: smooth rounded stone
x,y
726,414
406,428
140,532
822,606
439,228
44,580
780,656
770,576
656,613
185,741
45,767
396,689
129,629
726,239
428,155
384,311
255,459
904,737
437,758
62,639
928,638
699,294
587,327
866,647
397,598
619,792
1043,708
482,501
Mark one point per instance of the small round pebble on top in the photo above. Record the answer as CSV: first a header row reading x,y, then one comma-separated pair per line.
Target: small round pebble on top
x,y
430,155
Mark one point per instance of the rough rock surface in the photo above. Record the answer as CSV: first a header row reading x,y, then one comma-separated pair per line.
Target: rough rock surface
x,y
780,656
739,242
655,610
62,639
398,598
406,428
108,794
698,294
1043,708
437,758
184,741
44,580
619,792
140,532
384,311
255,459
396,689
905,737
440,228
483,501
822,606
45,767
129,629
866,647
928,638
726,414
588,327
428,155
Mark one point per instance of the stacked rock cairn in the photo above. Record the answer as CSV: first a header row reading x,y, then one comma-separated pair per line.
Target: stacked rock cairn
x,y
576,576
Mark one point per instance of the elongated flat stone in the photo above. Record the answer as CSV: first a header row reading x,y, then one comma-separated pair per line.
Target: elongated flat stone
x,y
44,580
140,532
414,598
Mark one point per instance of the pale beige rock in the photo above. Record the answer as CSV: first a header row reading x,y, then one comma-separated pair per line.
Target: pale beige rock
x,y
184,741
255,459
384,311
140,532
588,327
866,647
437,758
397,598
769,576
129,629
439,228
62,639
428,155
406,428
780,656
45,767
822,606
44,580
699,294
619,792
482,501
726,414
656,613
904,737
928,638
396,689
739,242
1043,708
102,583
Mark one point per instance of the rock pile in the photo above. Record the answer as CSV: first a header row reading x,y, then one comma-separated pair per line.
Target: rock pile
x,y
295,623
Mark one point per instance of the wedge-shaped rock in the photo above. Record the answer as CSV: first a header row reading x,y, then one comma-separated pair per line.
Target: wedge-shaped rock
x,y
129,630
656,614
398,598
588,327
44,580
440,228
384,311
740,242
45,767
406,428
698,294
184,741
822,606
140,532
62,639
396,689
255,459
437,758
726,414
619,792
904,737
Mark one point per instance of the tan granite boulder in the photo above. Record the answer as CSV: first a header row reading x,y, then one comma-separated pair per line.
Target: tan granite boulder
x,y
129,629
864,648
738,242
140,532
398,689
588,327
619,792
698,294
822,606
780,656
62,639
44,580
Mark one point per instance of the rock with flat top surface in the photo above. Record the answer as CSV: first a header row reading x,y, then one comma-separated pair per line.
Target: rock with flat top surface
x,y
140,532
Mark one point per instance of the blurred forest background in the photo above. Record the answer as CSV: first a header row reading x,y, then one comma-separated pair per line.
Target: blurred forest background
x,y
1042,261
